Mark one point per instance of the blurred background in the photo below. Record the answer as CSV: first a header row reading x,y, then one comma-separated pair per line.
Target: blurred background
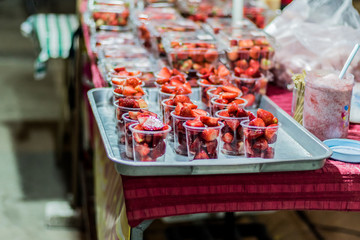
x,y
31,175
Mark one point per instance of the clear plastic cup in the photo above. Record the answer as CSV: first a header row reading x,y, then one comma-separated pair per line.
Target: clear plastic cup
x,y
232,135
260,141
327,103
203,92
215,106
149,146
252,89
128,135
167,119
203,142
163,96
179,133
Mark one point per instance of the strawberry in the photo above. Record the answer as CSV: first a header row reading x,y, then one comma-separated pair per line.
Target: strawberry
x,y
209,134
139,90
129,91
238,101
159,149
152,124
227,137
266,116
270,133
257,122
260,144
167,89
269,152
228,95
142,149
132,82
248,147
242,113
164,73
211,147
251,116
209,121
211,55
232,55
222,101
223,71
119,69
232,108
231,89
198,112
233,124
251,71
254,52
250,98
178,108
118,90
242,64
224,114
195,123
254,64
133,115
186,111
195,145
202,155
127,102
181,99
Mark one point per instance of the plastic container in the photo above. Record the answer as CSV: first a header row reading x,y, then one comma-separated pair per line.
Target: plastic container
x,y
157,29
149,146
201,9
214,25
252,89
128,135
259,13
110,15
104,38
167,119
260,142
203,142
232,135
191,50
180,146
123,52
249,50
327,104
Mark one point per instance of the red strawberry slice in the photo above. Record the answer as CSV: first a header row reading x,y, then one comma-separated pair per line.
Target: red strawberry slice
x,y
142,149
132,82
228,95
227,137
251,116
129,91
270,133
186,111
127,102
198,112
260,144
118,90
222,101
209,121
241,113
266,116
250,99
119,69
201,155
178,108
151,124
238,101
164,73
233,124
133,115
176,72
223,71
257,122
224,114
195,123
141,103
195,145
211,147
232,108
167,89
232,89
209,134
182,99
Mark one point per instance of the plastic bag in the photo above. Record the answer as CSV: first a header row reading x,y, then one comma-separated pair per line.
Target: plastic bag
x,y
314,34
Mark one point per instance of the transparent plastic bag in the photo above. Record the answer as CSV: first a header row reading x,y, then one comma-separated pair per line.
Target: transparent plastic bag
x,y
314,34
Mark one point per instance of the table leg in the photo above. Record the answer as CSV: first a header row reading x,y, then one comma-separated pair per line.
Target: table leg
x,y
137,233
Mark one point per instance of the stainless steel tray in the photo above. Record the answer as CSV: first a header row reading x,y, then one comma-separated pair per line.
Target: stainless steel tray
x,y
296,149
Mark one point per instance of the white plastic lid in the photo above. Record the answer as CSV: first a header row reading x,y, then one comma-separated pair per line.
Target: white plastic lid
x,y
344,150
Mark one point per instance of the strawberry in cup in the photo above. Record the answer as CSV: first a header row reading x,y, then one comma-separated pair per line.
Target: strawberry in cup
x,y
203,137
260,135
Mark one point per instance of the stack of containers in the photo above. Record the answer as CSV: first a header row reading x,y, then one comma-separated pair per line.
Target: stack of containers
x,y
214,25
249,54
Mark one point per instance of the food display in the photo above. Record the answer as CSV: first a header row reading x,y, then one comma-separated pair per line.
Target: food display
x,y
110,15
222,101
232,136
122,106
129,119
191,50
169,105
101,39
260,135
181,114
327,104
149,139
160,27
203,137
212,78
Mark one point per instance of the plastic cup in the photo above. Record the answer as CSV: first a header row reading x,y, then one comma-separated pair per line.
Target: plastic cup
x,y
232,135
163,96
327,104
167,119
179,133
203,142
252,89
149,146
259,141
128,135
215,106
119,112
203,92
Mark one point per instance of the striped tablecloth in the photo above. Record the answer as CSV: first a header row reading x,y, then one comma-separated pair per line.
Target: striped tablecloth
x,y
53,33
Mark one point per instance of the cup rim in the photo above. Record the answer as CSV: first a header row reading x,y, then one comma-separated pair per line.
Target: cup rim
x,y
128,108
131,127
262,76
212,100
221,125
124,96
156,74
113,84
212,89
112,74
230,118
164,104
207,85
245,124
126,117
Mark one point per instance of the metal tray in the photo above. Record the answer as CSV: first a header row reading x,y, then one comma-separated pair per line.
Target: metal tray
x,y
296,149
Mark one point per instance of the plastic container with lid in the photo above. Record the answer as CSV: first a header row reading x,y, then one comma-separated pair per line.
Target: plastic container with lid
x,y
214,25
247,50
191,50
103,39
123,51
259,13
110,15
158,28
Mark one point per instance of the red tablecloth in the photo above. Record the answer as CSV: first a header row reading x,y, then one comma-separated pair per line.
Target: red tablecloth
x,y
334,187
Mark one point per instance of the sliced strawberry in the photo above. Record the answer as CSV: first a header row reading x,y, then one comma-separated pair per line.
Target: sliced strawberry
x,y
228,95
176,72
190,105
140,90
186,111
133,115
260,144
164,73
224,114
266,116
118,90
209,134
209,121
142,103
167,89
127,102
119,69
152,124
195,145
223,71
232,123
181,99
170,102
133,82
270,133
251,116
238,101
248,147
250,98
211,147
195,123
129,91
257,122
269,152
159,149
142,149
201,155
232,89
178,108
222,101
227,137
198,112
232,108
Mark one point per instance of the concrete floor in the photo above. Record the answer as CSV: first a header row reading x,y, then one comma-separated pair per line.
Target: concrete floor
x,y
29,111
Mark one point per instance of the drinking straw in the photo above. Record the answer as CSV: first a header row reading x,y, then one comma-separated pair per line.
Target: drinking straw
x,y
237,11
349,60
